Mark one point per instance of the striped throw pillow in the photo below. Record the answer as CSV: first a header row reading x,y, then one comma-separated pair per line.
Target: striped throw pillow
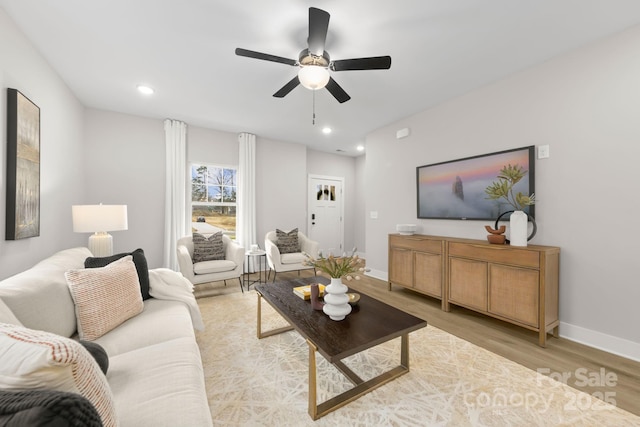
x,y
105,297
208,248
38,360
287,243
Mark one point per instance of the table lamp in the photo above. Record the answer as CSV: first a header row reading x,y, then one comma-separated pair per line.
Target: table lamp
x,y
99,220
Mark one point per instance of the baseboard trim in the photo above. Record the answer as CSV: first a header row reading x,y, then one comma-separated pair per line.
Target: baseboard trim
x,y
378,274
609,343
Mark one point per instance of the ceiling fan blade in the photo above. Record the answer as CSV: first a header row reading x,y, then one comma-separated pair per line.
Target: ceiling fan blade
x,y
337,91
287,88
318,27
264,56
373,63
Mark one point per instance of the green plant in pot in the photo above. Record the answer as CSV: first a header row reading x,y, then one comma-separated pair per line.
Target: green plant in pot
x,y
509,176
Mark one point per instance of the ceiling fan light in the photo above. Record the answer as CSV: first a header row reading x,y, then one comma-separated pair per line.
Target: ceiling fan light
x,y
313,77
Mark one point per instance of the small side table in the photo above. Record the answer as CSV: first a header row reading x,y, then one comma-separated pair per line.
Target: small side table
x,y
261,257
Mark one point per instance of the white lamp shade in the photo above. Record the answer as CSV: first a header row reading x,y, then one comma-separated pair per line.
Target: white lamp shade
x,y
313,77
99,218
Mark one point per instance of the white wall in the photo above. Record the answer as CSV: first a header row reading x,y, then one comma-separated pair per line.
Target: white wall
x,y
281,185
61,150
585,106
359,224
124,165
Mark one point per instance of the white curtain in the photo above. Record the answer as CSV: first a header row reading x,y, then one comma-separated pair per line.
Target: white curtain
x,y
175,200
246,227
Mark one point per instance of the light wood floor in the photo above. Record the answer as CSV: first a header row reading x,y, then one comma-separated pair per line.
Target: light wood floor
x,y
604,375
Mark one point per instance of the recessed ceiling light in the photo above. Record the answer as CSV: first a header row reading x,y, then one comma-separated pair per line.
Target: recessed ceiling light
x,y
360,148
326,130
146,90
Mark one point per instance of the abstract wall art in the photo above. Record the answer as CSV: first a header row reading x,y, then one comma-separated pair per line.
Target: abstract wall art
x,y
23,167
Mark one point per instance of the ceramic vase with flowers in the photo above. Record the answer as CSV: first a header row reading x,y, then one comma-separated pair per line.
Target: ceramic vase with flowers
x,y
509,176
345,267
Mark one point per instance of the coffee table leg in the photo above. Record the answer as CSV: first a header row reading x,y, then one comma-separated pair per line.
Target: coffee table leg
x,y
313,402
361,388
259,323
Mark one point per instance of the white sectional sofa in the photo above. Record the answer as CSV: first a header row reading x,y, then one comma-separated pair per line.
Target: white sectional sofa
x,y
155,375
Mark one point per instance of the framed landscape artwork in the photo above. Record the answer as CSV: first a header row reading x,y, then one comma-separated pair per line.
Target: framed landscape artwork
x,y
23,167
455,189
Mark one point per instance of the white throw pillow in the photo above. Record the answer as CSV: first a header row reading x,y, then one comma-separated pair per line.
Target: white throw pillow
x,y
105,297
38,360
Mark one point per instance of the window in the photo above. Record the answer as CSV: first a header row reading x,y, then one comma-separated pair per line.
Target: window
x,y
213,197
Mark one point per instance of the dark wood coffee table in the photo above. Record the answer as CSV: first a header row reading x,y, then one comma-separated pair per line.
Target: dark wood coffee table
x,y
370,323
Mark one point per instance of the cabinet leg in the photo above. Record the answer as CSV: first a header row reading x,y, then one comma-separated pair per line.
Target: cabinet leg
x,y
542,338
389,286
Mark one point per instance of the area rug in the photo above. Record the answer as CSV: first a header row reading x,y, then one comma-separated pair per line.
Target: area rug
x,y
252,382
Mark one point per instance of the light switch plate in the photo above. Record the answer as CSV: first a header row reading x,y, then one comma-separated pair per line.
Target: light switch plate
x,y
543,151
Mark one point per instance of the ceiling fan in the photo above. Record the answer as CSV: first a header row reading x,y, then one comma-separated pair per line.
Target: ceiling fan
x,y
315,62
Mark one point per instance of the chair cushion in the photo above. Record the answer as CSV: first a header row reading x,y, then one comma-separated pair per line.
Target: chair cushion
x,y
287,242
104,297
207,249
138,259
293,258
217,266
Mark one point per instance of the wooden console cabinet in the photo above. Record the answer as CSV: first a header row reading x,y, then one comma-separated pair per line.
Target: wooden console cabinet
x,y
515,284
418,262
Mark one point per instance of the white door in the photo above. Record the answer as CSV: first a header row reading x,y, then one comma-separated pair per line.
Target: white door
x,y
325,213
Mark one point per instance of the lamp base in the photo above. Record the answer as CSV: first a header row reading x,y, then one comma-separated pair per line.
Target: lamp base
x,y
101,244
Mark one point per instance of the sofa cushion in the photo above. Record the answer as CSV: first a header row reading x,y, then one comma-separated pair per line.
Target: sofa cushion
x,y
39,297
287,242
218,266
160,320
207,248
160,385
6,315
105,297
46,408
40,360
142,267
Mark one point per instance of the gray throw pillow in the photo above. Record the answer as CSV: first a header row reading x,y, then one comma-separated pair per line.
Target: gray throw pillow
x,y
287,243
208,249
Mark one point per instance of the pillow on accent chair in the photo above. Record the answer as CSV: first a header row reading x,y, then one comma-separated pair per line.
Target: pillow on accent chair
x,y
104,297
287,243
138,259
208,248
38,360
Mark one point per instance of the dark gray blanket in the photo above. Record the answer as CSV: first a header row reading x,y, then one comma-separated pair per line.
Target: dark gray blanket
x,y
40,408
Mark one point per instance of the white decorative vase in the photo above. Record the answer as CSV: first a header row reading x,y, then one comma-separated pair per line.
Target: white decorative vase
x,y
518,228
336,300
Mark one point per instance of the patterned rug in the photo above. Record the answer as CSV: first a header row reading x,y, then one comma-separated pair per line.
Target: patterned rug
x,y
252,382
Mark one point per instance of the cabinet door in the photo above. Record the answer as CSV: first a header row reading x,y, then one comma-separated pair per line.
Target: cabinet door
x,y
401,266
468,283
513,293
428,273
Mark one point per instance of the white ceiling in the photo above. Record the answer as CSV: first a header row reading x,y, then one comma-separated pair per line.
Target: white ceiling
x,y
184,49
